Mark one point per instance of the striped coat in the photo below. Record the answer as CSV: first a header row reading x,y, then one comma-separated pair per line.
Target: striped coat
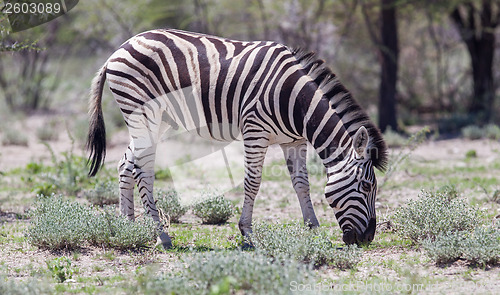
x,y
262,93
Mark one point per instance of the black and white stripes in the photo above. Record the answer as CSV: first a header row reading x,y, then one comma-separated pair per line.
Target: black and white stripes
x,y
259,92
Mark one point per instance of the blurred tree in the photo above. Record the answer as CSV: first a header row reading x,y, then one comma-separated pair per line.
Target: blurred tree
x,y
389,51
476,22
388,47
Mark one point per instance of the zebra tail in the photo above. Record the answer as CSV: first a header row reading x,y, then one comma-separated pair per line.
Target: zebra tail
x,y
96,140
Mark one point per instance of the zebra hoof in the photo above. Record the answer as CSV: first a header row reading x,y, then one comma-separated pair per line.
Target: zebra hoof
x,y
247,246
166,241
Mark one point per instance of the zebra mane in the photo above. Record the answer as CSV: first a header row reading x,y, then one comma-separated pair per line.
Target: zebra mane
x,y
349,111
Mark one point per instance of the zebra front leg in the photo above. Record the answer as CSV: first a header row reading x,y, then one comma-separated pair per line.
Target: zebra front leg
x,y
127,184
295,157
254,158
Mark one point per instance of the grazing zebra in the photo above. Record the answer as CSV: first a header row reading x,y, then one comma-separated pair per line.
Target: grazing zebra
x,y
260,92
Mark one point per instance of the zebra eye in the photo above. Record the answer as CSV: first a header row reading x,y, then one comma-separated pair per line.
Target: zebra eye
x,y
366,186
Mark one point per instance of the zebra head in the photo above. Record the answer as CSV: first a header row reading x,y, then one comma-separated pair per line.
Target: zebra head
x,y
351,190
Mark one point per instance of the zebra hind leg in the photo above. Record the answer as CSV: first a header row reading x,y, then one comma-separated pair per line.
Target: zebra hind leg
x,y
295,157
127,184
144,175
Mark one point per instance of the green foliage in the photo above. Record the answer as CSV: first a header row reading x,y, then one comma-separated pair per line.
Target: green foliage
x,y
59,224
65,176
480,247
213,208
231,272
115,231
471,154
60,268
492,131
473,132
168,202
8,286
163,174
444,248
394,139
14,137
483,246
104,193
47,133
433,214
300,243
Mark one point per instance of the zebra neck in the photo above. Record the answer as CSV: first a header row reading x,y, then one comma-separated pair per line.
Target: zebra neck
x,y
337,166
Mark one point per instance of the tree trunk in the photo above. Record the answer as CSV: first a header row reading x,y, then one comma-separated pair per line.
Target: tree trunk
x,y
479,37
389,52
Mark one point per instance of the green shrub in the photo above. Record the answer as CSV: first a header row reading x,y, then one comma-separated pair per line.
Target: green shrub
x,y
483,246
444,248
232,272
473,132
480,247
116,231
163,174
104,193
471,154
433,214
492,131
213,208
14,137
47,133
394,139
60,268
168,202
300,243
28,287
58,224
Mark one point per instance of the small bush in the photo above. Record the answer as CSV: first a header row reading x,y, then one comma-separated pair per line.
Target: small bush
x,y
58,224
14,137
492,131
117,231
213,209
444,248
483,246
433,214
300,243
168,202
232,272
480,247
473,132
104,193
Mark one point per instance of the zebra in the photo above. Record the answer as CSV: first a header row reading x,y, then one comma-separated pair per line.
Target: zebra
x,y
260,92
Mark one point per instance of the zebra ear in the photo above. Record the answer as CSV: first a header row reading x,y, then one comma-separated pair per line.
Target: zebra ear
x,y
360,141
